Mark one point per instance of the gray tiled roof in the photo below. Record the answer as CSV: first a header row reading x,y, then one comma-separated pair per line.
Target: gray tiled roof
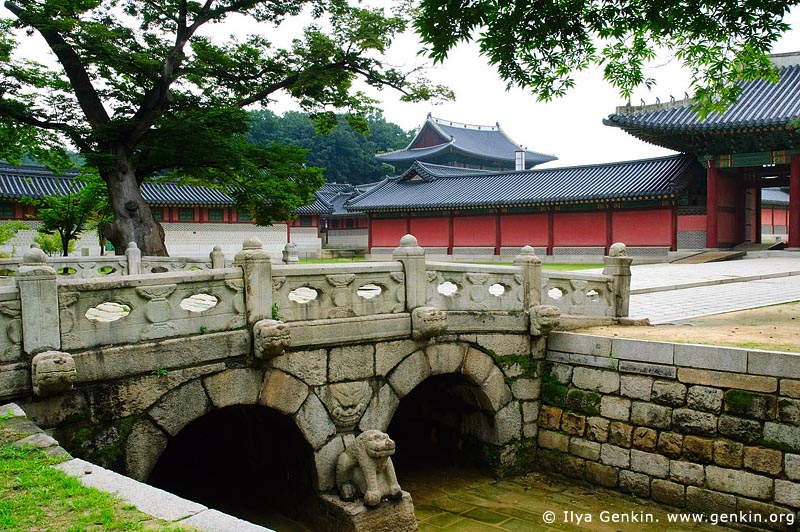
x,y
485,142
775,196
332,198
426,186
37,182
762,104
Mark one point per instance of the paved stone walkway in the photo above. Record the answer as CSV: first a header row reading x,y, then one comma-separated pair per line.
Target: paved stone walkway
x,y
665,293
459,500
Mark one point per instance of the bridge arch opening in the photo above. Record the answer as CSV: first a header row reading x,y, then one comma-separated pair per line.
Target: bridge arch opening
x,y
441,424
249,461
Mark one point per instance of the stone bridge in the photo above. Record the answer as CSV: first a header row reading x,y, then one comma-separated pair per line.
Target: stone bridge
x,y
117,366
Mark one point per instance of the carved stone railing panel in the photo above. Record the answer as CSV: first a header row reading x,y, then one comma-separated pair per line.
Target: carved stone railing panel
x,y
323,291
71,267
174,264
578,294
154,303
10,326
477,287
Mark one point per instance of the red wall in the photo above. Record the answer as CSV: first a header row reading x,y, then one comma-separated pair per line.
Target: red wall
x,y
386,233
523,229
692,222
579,229
727,220
431,231
642,228
428,138
474,231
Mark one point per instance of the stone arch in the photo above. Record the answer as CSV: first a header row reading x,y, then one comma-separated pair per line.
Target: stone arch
x,y
274,389
456,358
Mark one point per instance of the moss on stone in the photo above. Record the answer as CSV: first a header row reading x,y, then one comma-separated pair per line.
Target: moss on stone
x,y
525,362
554,394
779,445
514,458
749,404
583,401
103,445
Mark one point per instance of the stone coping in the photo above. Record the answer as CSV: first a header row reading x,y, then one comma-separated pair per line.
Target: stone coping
x,y
147,499
712,282
705,357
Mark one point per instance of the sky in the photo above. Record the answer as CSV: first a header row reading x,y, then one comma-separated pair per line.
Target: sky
x,y
570,127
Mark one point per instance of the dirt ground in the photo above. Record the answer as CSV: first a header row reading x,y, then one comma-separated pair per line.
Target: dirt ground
x,y
775,328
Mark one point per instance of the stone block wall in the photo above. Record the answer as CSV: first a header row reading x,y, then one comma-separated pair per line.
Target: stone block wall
x,y
708,429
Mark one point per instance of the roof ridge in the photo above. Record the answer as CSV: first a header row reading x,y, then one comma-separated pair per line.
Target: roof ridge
x,y
452,123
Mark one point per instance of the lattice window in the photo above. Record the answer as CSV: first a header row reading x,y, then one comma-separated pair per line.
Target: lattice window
x,y
186,214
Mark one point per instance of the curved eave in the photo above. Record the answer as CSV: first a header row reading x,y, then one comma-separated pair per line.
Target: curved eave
x,y
550,202
531,158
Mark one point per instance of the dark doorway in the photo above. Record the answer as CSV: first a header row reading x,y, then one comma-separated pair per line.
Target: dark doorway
x,y
248,461
436,425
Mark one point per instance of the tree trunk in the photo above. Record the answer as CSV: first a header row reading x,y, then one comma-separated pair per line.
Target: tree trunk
x,y
133,221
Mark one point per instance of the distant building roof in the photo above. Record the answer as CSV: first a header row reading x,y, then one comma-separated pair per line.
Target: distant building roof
x,y
762,117
438,136
332,199
36,182
775,196
426,186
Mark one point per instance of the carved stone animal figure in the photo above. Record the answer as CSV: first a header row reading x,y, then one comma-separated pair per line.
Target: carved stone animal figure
x,y
365,467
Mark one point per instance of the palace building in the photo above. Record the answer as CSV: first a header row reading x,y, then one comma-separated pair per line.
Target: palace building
x,y
735,181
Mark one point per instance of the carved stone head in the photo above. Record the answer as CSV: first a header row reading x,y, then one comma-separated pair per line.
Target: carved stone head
x,y
270,338
544,318
52,372
427,322
347,402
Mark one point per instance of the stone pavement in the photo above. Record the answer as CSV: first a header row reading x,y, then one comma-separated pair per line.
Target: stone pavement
x,y
461,500
665,293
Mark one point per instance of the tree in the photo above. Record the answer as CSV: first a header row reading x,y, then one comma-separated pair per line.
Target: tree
x,y
346,155
141,91
540,45
51,243
8,231
68,214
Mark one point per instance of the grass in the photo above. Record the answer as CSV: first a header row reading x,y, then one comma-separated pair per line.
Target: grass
x,y
36,497
569,266
331,261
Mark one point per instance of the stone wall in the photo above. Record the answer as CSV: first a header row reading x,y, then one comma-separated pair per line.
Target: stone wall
x,y
708,429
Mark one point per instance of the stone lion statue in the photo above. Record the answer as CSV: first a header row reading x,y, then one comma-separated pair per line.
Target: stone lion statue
x,y
365,467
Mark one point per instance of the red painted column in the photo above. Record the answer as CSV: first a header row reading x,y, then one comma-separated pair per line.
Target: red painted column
x,y
450,234
673,244
757,212
609,230
497,233
369,233
712,238
550,233
794,202
408,223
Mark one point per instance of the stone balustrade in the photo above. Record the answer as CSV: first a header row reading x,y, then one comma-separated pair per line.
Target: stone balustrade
x,y
324,304
131,263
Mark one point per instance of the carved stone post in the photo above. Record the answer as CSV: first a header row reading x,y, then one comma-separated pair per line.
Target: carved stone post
x,y
217,258
257,268
290,253
531,276
38,293
133,256
413,258
618,266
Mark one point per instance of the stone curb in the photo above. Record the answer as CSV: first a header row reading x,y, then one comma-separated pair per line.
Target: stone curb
x,y
697,284
147,499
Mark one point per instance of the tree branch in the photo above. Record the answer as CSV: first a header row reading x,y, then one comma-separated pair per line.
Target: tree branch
x,y
87,96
